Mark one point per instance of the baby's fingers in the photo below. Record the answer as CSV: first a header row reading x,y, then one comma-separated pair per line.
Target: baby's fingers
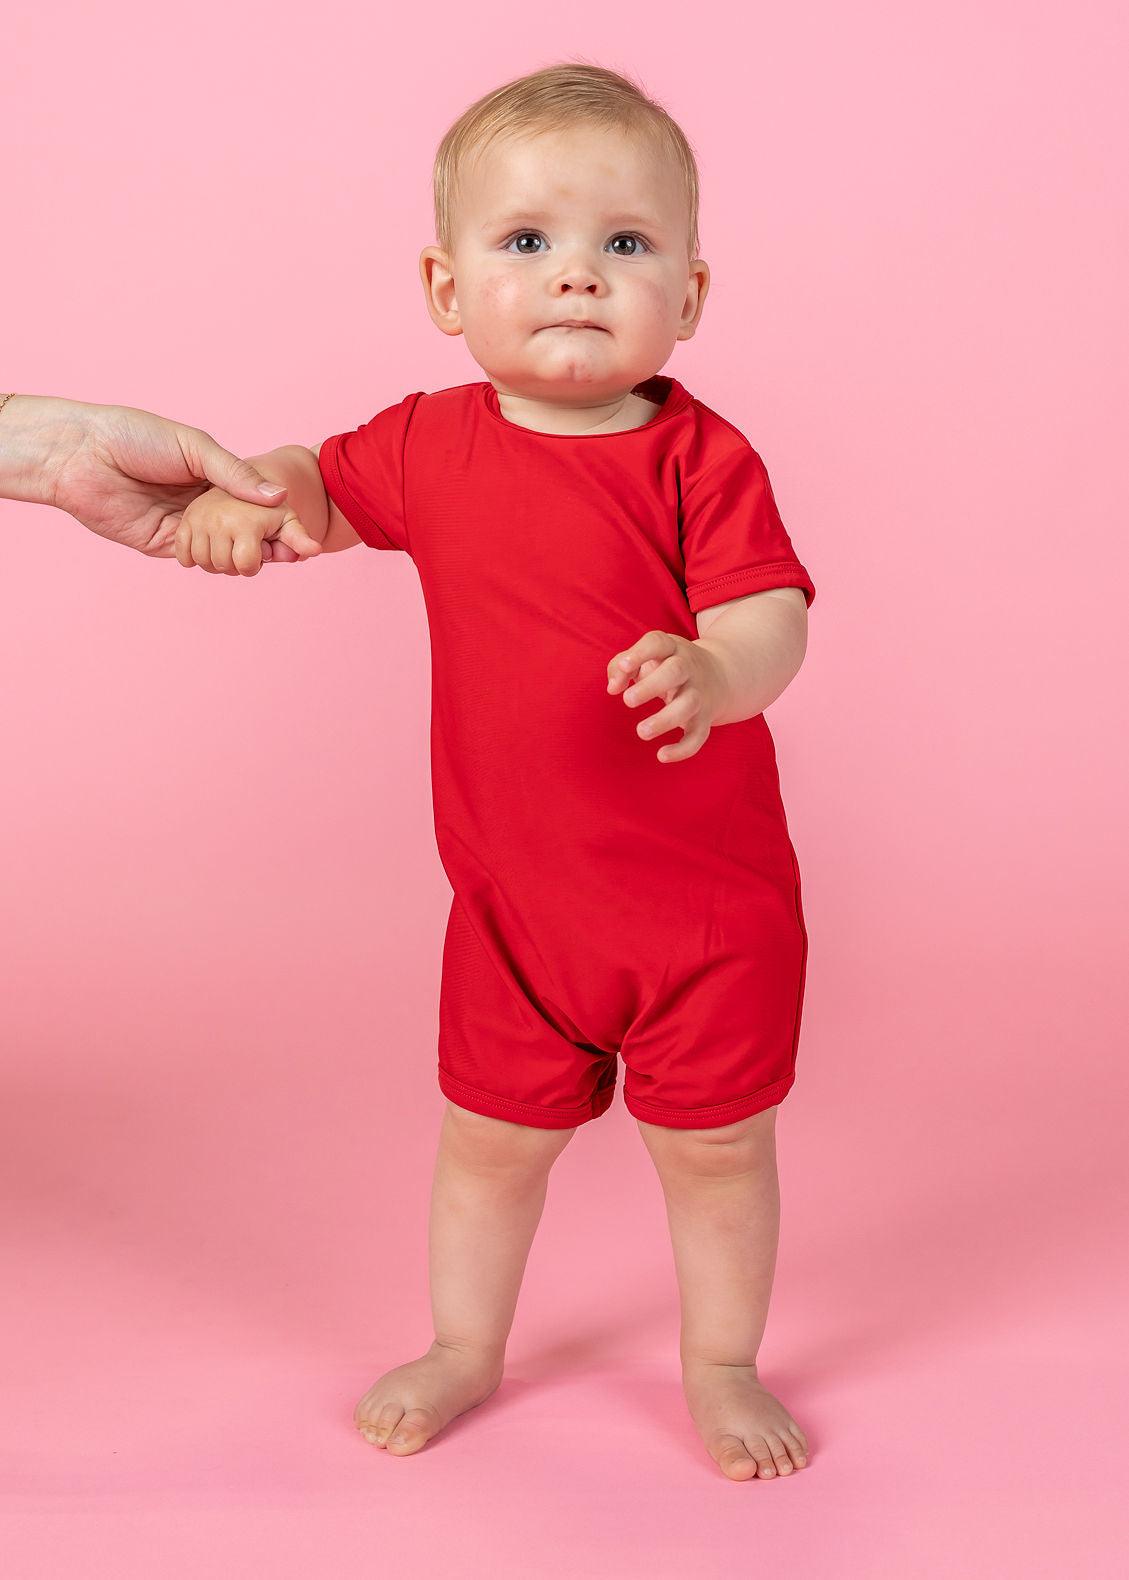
x,y
278,553
182,545
245,555
294,535
195,543
216,549
692,741
625,673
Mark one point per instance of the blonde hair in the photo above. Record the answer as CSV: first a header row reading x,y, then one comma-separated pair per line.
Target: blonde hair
x,y
550,100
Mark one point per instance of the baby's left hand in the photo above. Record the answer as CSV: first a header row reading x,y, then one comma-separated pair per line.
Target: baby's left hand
x,y
687,677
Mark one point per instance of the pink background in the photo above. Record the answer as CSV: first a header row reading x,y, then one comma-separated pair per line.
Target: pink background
x,y
223,905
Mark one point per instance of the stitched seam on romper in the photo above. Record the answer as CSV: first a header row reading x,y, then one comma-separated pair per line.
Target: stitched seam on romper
x,y
507,1102
599,1103
803,957
404,471
766,1099
348,493
719,1108
751,570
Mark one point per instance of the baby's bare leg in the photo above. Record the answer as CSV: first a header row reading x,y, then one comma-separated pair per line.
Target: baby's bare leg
x,y
488,1194
723,1206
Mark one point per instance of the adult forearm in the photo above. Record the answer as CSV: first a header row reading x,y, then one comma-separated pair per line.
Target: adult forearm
x,y
759,645
37,433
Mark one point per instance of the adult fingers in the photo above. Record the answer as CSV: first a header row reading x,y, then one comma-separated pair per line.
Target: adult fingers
x,y
209,461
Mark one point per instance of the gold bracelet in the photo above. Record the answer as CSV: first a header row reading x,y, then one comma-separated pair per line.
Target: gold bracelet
x,y
5,398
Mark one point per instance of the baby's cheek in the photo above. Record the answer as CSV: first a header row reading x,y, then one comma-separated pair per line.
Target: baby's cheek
x,y
653,305
492,309
500,295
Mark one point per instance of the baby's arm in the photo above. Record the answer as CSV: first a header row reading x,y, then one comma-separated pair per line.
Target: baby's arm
x,y
754,649
760,641
224,534
339,534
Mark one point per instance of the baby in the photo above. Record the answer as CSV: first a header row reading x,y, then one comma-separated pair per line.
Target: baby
x,y
588,536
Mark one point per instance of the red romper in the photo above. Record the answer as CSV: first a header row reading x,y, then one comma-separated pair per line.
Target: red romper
x,y
604,903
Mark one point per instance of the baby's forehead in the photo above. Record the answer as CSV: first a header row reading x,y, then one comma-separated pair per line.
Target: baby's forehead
x,y
505,158
527,170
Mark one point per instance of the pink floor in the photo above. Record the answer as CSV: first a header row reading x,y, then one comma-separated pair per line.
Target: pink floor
x,y
210,1257
221,908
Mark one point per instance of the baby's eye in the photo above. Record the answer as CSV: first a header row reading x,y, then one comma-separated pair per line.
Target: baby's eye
x,y
629,236
536,236
521,235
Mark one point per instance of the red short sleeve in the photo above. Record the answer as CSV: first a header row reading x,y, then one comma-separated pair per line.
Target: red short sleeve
x,y
733,540
363,474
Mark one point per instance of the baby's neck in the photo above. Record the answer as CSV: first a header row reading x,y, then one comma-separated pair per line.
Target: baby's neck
x,y
634,412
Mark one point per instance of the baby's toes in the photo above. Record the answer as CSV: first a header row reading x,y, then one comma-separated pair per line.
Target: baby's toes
x,y
780,1455
733,1457
761,1452
797,1446
376,1427
413,1431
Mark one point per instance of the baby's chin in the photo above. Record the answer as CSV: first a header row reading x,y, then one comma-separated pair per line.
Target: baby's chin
x,y
552,376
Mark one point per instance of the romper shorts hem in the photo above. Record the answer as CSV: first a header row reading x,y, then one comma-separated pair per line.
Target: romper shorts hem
x,y
711,1117
533,1114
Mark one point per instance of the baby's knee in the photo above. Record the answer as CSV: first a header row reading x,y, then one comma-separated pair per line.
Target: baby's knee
x,y
716,1150
483,1142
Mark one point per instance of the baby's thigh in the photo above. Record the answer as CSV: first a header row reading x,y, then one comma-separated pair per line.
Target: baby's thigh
x,y
486,1144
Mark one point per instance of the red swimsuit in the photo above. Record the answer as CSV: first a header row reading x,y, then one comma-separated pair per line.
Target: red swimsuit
x,y
604,902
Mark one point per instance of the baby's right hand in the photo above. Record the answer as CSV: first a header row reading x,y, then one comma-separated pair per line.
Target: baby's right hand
x,y
225,535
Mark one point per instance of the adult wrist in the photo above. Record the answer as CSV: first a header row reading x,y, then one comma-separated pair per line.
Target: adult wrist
x,y
37,434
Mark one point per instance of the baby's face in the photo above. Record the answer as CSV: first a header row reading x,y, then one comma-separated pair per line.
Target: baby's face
x,y
582,224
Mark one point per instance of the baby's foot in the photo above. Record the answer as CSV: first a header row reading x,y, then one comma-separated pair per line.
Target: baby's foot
x,y
746,1428
411,1403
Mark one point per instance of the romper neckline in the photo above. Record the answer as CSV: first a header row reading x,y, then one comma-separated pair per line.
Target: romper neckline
x,y
672,395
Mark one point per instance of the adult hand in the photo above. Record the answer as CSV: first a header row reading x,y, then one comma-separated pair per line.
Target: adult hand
x,y
128,475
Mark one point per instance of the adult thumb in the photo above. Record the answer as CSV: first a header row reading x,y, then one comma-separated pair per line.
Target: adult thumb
x,y
235,476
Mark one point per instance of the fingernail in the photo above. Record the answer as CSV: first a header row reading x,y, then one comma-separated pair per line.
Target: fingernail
x,y
270,488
